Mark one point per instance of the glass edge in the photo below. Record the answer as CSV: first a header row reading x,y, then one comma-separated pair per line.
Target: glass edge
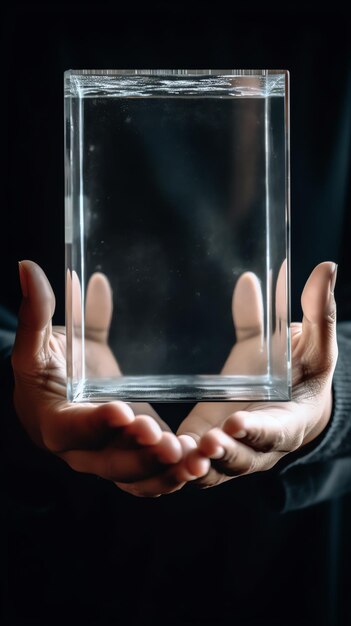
x,y
279,397
77,391
173,72
288,225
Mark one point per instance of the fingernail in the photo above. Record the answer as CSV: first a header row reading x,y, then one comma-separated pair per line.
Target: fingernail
x,y
333,278
23,280
240,434
218,453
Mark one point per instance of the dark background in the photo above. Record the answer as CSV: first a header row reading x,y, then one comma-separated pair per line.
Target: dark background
x,y
40,41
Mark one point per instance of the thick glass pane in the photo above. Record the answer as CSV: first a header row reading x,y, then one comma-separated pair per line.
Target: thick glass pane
x,y
177,211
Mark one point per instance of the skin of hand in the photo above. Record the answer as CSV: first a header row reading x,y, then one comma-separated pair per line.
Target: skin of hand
x,y
245,437
117,441
242,438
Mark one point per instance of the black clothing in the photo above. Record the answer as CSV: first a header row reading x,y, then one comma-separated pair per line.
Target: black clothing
x,y
251,551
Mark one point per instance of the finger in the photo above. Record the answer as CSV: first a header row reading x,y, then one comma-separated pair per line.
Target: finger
x,y
247,307
203,416
98,308
34,320
170,480
187,443
126,465
145,430
318,347
195,424
265,431
195,463
237,459
84,426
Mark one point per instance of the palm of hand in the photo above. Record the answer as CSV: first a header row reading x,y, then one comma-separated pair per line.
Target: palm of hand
x,y
243,437
105,439
47,375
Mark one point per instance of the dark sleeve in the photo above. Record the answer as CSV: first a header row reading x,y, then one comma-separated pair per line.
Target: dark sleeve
x,y
322,470
8,324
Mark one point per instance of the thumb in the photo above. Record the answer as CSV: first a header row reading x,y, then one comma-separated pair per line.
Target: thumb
x,y
319,315
34,319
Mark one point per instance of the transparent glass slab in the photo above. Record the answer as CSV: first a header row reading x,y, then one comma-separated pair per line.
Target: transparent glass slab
x,y
177,235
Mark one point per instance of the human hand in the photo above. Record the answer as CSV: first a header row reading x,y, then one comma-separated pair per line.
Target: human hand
x,y
108,439
242,438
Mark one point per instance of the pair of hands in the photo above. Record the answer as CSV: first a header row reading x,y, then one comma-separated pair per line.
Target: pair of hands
x,y
129,444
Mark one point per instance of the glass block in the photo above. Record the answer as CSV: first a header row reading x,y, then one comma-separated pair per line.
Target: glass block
x,y
177,235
